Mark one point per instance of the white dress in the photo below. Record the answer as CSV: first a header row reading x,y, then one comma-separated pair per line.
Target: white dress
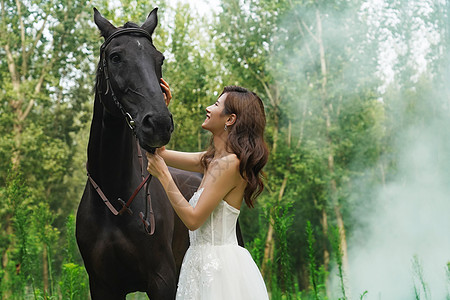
x,y
215,267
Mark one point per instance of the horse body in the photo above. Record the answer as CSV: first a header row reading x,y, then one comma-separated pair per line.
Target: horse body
x,y
119,254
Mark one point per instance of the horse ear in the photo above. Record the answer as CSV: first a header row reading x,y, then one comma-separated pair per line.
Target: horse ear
x,y
106,28
151,22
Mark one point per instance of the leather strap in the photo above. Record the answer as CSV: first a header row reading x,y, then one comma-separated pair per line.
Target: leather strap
x,y
125,31
102,195
126,206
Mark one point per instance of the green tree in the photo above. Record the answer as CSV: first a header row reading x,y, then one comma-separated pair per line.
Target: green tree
x,y
190,71
46,76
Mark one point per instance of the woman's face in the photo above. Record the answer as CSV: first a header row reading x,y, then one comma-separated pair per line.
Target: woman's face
x,y
215,121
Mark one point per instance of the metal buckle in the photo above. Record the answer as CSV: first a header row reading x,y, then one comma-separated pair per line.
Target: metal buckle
x,y
130,121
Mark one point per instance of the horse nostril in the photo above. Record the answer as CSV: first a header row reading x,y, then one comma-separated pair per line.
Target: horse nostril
x,y
147,121
153,123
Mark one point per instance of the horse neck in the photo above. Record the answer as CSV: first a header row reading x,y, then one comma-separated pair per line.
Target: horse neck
x,y
112,149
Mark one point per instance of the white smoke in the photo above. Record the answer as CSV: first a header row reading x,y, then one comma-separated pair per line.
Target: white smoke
x,y
410,218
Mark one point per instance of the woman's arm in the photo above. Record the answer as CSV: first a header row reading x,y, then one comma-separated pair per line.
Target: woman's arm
x,y
189,161
222,177
180,160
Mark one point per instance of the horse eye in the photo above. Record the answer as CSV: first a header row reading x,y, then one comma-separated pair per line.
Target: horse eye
x,y
115,58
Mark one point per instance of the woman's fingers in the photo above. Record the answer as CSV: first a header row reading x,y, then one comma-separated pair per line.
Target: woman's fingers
x,y
159,150
156,165
151,166
164,82
167,93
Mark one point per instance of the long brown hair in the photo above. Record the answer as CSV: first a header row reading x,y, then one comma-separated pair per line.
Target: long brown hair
x,y
245,138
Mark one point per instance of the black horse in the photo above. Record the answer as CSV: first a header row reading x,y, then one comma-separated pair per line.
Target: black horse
x,y
126,251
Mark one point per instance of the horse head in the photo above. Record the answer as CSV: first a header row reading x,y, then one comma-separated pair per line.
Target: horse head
x,y
128,79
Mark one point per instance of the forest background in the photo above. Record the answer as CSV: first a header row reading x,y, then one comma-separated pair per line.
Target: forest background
x,y
357,96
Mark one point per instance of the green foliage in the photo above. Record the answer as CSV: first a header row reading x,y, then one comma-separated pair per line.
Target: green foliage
x,y
421,290
337,250
71,248
447,271
74,283
190,72
312,262
32,238
283,218
363,295
20,251
256,248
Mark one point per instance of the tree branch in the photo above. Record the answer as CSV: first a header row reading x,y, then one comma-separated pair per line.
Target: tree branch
x,y
36,40
302,124
310,32
9,56
323,62
37,89
12,68
264,84
22,38
283,184
24,115
299,26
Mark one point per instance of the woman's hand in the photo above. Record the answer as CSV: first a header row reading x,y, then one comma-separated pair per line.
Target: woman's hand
x,y
160,150
167,94
156,165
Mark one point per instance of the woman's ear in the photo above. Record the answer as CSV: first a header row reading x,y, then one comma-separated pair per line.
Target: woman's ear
x,y
231,120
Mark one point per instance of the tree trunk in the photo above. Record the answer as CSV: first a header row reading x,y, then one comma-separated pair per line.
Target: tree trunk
x,y
15,158
5,259
45,269
333,188
326,253
268,250
270,243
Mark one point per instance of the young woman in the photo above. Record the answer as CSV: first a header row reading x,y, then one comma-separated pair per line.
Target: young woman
x,y
214,266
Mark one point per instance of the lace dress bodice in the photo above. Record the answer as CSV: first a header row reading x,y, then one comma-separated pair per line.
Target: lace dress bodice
x,y
220,227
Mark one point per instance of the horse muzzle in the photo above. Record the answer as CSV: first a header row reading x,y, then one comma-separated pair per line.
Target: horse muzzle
x,y
155,130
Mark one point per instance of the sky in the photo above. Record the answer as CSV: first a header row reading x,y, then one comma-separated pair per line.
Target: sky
x,y
203,7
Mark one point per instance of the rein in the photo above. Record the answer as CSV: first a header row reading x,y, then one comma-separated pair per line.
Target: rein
x,y
148,219
126,206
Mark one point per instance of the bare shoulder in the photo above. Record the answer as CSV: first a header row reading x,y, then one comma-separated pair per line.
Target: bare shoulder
x,y
230,161
228,164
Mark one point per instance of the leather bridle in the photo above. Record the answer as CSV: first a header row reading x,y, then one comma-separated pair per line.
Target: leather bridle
x,y
148,219
103,68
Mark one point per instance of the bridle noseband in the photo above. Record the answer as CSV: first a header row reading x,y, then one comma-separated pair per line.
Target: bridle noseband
x,y
103,69
148,220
